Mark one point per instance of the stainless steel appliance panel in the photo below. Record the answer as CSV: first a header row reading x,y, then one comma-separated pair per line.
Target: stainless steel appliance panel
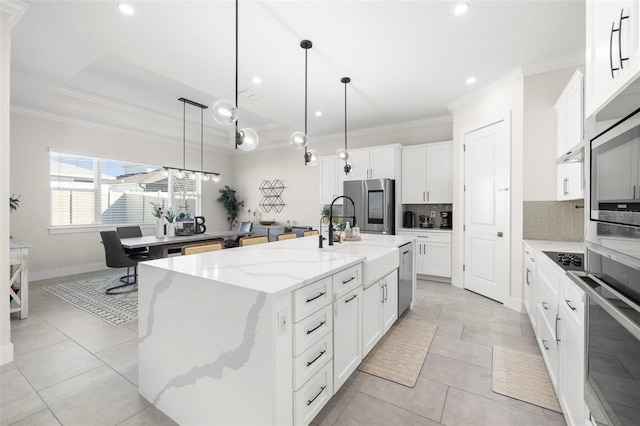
x,y
405,278
374,201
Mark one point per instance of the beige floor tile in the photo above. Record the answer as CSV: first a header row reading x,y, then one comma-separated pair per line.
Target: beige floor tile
x,y
500,312
472,353
494,338
124,359
55,363
47,303
336,405
17,323
464,408
41,418
100,336
150,416
98,397
71,318
36,336
18,400
367,410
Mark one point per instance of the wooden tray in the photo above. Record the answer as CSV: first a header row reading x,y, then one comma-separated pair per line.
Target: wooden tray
x,y
352,239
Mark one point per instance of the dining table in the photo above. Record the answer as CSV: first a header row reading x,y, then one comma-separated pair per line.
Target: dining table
x,y
159,247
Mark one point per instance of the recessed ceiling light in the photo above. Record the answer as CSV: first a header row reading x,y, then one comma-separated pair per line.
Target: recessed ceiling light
x,y
257,80
318,113
125,8
471,80
461,8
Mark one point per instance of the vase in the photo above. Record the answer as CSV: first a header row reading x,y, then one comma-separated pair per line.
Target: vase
x,y
159,227
171,229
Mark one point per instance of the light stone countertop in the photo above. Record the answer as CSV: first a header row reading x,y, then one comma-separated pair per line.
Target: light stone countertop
x,y
274,267
568,246
418,229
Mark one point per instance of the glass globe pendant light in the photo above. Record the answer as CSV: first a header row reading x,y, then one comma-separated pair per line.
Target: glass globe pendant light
x,y
343,153
226,113
299,139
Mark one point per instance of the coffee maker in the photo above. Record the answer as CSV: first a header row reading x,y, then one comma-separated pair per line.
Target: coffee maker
x,y
446,220
407,220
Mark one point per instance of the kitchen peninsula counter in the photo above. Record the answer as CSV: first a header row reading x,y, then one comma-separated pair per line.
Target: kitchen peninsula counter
x,y
216,330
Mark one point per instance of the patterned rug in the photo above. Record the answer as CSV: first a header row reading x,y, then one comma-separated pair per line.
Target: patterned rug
x,y
523,376
89,295
399,355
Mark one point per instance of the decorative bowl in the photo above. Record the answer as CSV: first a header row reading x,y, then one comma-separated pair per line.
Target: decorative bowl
x,y
266,222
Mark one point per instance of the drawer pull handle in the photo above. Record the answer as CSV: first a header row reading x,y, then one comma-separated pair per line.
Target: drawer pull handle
x,y
316,327
316,358
527,276
309,402
557,319
351,298
315,297
545,305
544,343
568,302
348,280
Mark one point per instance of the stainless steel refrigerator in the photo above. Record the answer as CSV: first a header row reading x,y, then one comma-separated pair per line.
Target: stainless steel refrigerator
x,y
375,202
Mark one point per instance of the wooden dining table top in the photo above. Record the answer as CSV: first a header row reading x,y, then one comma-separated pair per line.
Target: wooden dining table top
x,y
152,240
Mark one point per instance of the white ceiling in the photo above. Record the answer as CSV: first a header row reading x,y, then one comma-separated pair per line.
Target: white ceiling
x,y
407,60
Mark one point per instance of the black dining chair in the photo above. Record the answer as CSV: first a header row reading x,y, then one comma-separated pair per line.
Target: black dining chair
x,y
116,257
132,232
243,227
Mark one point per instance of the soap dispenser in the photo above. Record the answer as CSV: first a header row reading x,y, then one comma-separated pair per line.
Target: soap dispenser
x,y
348,233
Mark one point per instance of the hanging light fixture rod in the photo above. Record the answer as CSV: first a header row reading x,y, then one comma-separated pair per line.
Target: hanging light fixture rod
x,y
190,102
344,154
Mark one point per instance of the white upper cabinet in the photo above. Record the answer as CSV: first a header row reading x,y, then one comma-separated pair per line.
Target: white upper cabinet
x,y
570,116
374,163
570,184
331,179
427,174
613,49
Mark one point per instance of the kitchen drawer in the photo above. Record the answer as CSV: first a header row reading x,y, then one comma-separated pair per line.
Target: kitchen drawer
x,y
313,396
435,237
346,280
550,273
312,360
311,298
547,302
549,349
573,299
311,329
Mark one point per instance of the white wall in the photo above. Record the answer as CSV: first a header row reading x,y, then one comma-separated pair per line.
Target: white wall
x,y
63,254
541,91
301,194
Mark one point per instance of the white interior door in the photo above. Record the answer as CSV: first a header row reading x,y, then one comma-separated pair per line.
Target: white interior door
x,y
486,211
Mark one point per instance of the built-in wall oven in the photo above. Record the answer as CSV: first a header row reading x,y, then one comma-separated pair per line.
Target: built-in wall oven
x,y
611,281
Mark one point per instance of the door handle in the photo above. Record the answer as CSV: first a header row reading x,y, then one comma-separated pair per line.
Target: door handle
x,y
613,30
427,195
500,234
620,39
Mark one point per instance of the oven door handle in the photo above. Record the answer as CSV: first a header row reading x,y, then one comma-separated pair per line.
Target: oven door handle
x,y
630,325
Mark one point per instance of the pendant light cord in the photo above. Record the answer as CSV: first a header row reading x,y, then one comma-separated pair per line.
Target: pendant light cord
x,y
345,118
201,140
184,143
236,136
305,91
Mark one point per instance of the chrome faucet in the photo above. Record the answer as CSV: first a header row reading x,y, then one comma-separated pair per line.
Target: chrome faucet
x,y
342,217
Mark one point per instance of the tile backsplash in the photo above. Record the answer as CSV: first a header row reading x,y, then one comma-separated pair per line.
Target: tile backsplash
x,y
553,220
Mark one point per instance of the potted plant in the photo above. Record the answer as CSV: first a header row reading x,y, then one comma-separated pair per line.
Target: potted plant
x,y
158,213
170,215
230,203
14,203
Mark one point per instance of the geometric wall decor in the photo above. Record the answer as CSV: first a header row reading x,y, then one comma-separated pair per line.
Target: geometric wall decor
x,y
271,195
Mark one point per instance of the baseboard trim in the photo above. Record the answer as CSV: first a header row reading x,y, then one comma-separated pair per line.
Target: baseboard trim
x,y
515,304
6,353
69,270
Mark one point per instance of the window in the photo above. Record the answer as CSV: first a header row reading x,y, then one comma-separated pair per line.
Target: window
x,y
99,191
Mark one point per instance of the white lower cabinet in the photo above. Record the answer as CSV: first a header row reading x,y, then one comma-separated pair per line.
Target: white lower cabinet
x,y
313,396
379,310
433,254
347,335
530,284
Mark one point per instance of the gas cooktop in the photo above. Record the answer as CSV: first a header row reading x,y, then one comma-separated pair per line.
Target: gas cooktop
x,y
567,261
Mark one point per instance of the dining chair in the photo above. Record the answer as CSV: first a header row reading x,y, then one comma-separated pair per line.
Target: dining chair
x,y
256,239
243,227
286,236
116,257
132,232
201,247
310,232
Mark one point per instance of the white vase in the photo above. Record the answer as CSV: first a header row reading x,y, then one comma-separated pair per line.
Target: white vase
x,y
171,229
159,227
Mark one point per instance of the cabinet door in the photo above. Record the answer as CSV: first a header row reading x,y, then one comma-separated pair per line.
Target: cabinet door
x,y
372,305
347,336
390,307
360,162
571,369
439,173
437,259
328,171
414,175
562,114
570,181
575,116
530,284
421,255
382,162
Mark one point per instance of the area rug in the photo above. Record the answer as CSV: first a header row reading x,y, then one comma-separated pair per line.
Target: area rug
x,y
399,355
89,295
523,376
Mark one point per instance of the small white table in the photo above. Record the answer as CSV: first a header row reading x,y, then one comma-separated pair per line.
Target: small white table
x,y
19,266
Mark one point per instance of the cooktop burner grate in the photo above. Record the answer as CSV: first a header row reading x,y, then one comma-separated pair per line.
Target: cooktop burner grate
x,y
567,261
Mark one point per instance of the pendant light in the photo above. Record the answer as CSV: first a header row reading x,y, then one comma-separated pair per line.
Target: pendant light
x,y
226,113
190,173
300,139
343,153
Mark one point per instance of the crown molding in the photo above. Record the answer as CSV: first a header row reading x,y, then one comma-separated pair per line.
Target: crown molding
x,y
15,9
30,112
575,61
506,79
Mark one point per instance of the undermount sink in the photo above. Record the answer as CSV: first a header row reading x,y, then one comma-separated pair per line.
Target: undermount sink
x,y
379,260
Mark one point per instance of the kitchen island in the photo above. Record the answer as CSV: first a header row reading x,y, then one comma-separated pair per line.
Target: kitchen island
x,y
255,335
